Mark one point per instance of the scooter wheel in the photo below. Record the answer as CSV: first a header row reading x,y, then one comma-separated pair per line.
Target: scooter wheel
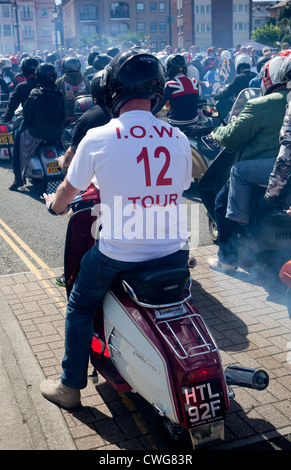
x,y
212,230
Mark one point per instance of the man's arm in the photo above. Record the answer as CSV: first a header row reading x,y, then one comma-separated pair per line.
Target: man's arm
x,y
62,198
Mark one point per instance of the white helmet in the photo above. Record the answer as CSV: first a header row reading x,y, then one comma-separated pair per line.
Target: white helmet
x,y
225,55
270,74
242,60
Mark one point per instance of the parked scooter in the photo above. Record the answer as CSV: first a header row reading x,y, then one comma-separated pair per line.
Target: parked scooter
x,y
270,228
149,337
285,276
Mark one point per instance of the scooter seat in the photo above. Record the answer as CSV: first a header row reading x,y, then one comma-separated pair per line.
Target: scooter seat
x,y
157,285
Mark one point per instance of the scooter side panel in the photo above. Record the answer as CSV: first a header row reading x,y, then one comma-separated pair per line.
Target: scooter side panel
x,y
137,358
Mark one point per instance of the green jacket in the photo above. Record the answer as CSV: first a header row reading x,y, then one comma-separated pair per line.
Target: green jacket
x,y
255,133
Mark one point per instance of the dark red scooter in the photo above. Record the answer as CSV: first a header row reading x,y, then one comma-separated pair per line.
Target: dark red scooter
x,y
149,337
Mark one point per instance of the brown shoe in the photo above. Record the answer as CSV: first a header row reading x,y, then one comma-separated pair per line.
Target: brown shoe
x,y
60,394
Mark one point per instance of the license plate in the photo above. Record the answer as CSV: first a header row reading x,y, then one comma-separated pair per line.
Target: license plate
x,y
3,139
204,403
52,167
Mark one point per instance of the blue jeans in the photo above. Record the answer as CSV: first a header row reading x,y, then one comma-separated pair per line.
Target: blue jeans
x,y
95,277
243,176
227,229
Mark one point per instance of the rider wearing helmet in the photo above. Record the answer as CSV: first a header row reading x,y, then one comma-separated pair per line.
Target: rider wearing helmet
x,y
72,84
244,75
43,114
99,63
181,92
139,162
19,97
90,69
93,117
254,137
282,168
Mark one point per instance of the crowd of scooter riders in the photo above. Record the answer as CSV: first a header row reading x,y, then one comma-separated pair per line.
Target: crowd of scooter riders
x,y
64,75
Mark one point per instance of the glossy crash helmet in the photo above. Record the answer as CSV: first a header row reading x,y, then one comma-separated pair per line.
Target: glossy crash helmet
x,y
46,74
132,74
270,74
97,90
100,62
71,64
284,73
175,63
242,62
29,66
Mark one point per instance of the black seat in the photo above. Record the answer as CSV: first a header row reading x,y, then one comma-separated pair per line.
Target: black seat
x,y
157,285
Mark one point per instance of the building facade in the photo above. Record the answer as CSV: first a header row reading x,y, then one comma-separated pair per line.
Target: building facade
x,y
221,23
104,18
26,26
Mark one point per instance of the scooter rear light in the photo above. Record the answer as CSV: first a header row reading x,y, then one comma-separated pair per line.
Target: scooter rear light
x,y
3,129
49,153
198,375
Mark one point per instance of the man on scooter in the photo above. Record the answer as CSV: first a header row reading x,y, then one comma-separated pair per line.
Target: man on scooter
x,y
142,165
254,136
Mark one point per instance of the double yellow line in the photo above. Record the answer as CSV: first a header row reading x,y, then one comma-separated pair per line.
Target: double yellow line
x,y
20,250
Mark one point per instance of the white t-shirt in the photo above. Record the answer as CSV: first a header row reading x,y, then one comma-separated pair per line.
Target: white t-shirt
x,y
142,165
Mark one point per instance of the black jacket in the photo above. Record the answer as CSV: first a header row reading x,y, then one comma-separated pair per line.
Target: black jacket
x,y
94,117
239,83
19,96
44,113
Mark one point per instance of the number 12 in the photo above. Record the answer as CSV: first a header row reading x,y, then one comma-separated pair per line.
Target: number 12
x,y
144,156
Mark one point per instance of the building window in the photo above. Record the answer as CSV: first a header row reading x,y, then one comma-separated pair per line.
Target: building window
x,y
154,46
45,31
140,27
162,7
153,7
140,7
88,30
119,10
153,27
7,30
238,27
119,28
43,12
163,27
88,12
26,13
28,32
5,11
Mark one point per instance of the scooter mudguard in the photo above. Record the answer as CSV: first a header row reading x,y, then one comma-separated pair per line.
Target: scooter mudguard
x,y
214,179
79,240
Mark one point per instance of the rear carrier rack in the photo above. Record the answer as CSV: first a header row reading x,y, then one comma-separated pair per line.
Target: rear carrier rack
x,y
181,332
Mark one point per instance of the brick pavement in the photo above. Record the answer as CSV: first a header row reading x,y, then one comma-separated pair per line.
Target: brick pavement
x,y
247,317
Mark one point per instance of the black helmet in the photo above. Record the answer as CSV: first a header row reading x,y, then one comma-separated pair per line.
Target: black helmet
x,y
175,63
29,66
132,74
101,61
91,57
71,64
96,89
46,74
113,51
51,58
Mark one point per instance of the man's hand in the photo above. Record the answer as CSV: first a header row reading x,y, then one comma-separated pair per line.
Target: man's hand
x,y
65,160
49,198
